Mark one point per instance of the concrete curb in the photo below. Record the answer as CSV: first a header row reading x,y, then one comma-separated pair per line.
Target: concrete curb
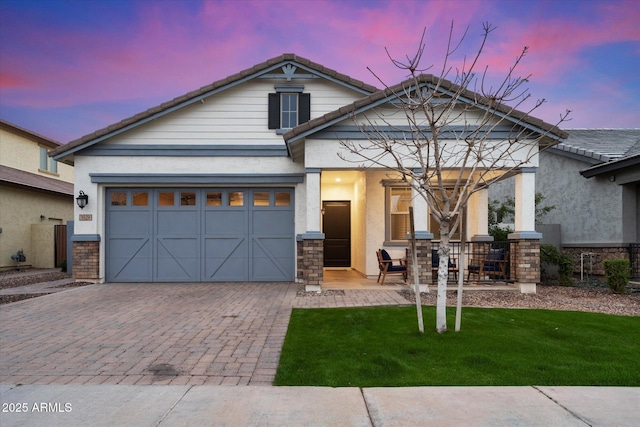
x,y
125,405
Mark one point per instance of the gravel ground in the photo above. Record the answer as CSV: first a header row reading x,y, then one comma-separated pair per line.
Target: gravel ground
x,y
13,279
594,299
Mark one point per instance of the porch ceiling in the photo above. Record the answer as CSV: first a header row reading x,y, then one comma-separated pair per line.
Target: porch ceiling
x,y
338,177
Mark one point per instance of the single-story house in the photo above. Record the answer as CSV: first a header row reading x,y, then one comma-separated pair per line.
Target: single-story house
x,y
36,199
241,180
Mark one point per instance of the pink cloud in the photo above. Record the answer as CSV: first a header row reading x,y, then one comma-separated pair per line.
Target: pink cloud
x,y
161,52
555,44
10,80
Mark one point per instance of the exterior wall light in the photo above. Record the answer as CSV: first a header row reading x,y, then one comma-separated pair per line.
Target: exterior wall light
x,y
82,200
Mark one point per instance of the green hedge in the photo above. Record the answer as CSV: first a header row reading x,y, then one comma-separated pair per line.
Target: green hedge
x,y
550,255
618,273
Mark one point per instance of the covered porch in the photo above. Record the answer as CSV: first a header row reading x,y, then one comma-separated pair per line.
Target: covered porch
x,y
349,279
358,212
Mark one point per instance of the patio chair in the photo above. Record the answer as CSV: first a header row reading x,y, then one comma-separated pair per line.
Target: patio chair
x,y
435,263
386,266
494,265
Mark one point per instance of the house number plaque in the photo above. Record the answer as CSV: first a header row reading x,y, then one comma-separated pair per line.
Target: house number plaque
x,y
86,217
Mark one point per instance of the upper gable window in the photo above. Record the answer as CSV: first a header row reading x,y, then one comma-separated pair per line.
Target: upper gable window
x,y
289,110
46,163
288,107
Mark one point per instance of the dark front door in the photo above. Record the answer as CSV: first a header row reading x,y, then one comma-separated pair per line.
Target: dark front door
x,y
336,224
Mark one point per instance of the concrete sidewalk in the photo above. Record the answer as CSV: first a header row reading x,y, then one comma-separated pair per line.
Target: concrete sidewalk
x,y
130,405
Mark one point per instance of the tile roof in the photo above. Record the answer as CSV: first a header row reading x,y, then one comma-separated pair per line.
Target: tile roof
x,y
8,126
35,182
203,91
389,93
601,145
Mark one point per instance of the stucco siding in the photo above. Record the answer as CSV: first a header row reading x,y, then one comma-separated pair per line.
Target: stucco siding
x,y
22,153
588,210
19,210
185,165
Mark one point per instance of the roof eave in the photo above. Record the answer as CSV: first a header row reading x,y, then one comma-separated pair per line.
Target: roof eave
x,y
611,167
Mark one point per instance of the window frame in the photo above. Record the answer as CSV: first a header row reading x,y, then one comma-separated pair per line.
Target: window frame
x,y
47,164
290,110
388,185
276,111
388,223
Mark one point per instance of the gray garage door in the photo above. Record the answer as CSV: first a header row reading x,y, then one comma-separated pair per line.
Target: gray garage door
x,y
199,235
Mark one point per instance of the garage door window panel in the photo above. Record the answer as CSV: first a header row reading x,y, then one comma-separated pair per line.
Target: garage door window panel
x,y
261,198
236,198
140,198
214,198
283,198
166,198
187,199
118,198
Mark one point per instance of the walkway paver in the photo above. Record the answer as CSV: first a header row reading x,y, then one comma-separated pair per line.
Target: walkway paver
x,y
179,333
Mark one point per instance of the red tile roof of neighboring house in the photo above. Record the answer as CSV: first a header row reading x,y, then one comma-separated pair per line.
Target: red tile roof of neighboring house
x,y
16,177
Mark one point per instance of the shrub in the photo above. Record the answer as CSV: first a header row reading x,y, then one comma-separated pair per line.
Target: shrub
x,y
550,255
63,266
618,273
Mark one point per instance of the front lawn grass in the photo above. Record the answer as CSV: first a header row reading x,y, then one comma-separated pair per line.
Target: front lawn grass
x,y
381,346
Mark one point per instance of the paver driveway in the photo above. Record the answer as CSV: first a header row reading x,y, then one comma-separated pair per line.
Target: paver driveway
x,y
178,333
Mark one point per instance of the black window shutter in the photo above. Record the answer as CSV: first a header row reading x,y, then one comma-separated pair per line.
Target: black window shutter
x,y
304,101
274,111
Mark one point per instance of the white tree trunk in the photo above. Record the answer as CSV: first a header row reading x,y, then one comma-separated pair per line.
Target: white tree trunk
x,y
443,273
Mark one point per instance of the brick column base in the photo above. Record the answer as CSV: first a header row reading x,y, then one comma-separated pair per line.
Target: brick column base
x,y
86,260
310,263
527,264
424,263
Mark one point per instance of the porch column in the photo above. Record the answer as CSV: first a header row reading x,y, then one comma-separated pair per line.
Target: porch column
x,y
423,242
311,243
477,221
527,239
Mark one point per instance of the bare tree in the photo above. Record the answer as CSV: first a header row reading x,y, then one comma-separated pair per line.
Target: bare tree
x,y
443,145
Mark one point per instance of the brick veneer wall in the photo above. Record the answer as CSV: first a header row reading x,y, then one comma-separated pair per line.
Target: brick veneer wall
x,y
86,260
527,261
599,255
299,260
312,261
424,261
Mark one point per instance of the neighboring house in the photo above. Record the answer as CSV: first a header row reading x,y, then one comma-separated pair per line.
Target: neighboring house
x,y
36,194
593,180
241,181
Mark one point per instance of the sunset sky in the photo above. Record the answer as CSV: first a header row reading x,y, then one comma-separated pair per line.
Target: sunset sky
x,y
70,67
